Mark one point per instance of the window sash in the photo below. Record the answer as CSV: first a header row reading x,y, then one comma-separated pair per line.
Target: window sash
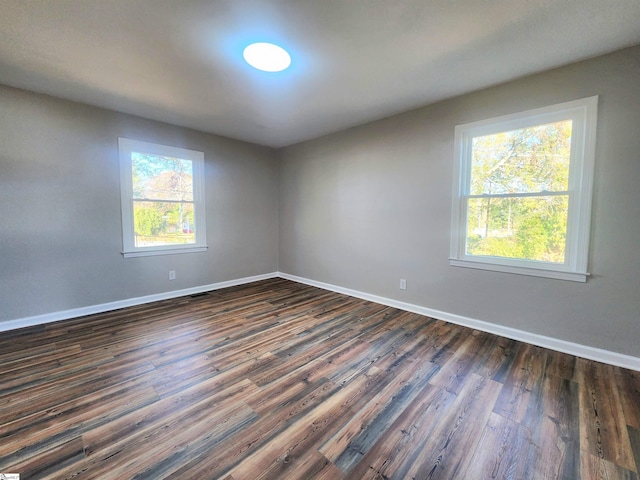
x,y
505,258
542,193
162,200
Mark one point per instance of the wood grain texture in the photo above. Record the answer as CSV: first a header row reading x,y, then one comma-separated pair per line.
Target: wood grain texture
x,y
278,380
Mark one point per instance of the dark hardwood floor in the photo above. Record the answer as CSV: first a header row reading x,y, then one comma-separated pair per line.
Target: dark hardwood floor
x,y
281,380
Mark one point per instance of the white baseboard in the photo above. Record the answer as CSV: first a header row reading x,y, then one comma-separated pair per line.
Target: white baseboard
x,y
584,351
129,302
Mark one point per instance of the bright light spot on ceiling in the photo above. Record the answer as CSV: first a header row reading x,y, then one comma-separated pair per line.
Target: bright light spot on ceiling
x,y
267,57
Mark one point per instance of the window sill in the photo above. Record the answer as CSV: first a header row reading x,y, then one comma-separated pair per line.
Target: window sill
x,y
167,251
532,272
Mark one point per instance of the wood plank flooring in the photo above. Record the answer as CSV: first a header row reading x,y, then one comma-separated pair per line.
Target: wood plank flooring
x,y
280,380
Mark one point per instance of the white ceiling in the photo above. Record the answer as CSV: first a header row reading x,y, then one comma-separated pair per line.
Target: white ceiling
x,y
180,61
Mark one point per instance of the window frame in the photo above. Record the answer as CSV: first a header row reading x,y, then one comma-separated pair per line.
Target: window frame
x,y
583,113
126,147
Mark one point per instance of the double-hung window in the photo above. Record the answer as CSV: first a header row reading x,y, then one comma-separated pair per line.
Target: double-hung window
x,y
522,191
162,197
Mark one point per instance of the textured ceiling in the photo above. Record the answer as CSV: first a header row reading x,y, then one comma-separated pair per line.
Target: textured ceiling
x,y
180,61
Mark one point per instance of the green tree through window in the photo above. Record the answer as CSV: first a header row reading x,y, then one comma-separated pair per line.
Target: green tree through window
x,y
533,161
162,200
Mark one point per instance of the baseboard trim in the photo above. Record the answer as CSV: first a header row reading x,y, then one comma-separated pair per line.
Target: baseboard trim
x,y
129,302
579,350
584,351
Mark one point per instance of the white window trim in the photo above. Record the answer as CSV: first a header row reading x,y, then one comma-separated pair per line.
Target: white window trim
x,y
583,113
126,147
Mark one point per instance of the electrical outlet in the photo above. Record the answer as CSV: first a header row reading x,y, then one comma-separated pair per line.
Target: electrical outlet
x,y
172,274
403,284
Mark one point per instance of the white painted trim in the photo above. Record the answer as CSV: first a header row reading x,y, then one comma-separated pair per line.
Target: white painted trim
x,y
166,251
532,272
584,351
129,302
126,147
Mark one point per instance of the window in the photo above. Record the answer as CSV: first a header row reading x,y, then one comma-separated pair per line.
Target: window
x,y
162,192
522,191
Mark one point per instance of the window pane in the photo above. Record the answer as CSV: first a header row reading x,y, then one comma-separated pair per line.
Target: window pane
x,y
529,228
156,177
163,223
533,159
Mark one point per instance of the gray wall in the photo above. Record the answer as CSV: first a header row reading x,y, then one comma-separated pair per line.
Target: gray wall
x,y
359,209
60,226
365,207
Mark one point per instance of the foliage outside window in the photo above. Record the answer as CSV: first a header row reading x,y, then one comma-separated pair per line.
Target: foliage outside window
x,y
522,192
162,199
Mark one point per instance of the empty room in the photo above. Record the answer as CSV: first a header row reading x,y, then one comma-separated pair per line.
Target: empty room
x,y
338,239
